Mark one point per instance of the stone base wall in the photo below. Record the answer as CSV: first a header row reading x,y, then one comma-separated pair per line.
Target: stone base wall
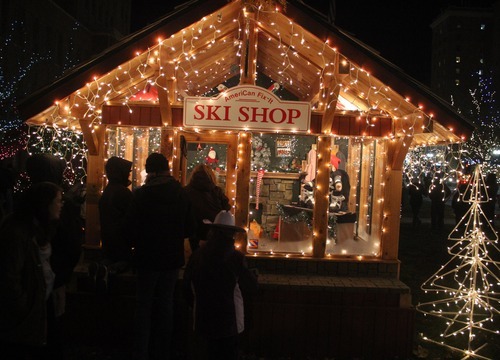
x,y
272,192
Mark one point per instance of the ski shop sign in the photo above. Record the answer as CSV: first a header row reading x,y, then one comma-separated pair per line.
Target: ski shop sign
x,y
246,107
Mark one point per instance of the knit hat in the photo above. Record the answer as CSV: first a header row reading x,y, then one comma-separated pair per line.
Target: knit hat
x,y
156,163
224,220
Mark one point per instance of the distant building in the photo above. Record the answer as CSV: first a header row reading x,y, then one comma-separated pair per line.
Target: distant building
x,y
57,34
465,41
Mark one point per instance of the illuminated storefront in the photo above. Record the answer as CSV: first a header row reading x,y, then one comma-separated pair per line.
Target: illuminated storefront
x,y
306,128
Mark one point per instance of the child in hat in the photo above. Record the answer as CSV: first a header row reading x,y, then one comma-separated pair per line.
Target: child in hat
x,y
214,280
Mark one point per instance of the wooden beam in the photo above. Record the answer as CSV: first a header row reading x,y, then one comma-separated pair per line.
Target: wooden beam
x,y
321,202
164,100
249,51
242,186
397,150
90,137
94,186
167,144
391,215
330,104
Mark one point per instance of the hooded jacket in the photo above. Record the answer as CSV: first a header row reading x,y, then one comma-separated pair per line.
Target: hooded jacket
x,y
113,206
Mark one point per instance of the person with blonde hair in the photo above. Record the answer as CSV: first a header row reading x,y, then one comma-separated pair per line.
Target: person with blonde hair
x,y
207,200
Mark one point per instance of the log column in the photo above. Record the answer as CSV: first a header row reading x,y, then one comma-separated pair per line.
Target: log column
x,y
321,194
396,153
94,136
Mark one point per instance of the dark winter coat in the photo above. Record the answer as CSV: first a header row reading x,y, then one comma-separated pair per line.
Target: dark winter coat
x,y
416,193
159,219
113,206
219,276
22,284
207,200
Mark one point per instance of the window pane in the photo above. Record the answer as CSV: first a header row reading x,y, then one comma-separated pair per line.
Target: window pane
x,y
133,144
280,220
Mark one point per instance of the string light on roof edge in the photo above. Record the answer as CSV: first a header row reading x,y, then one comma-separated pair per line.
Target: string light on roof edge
x,y
466,289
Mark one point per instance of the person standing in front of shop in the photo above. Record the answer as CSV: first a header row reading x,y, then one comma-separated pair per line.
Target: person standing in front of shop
x,y
26,277
416,194
113,205
439,194
207,199
160,217
215,280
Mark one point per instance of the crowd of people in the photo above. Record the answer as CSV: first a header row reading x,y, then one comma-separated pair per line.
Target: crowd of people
x,y
145,230
439,194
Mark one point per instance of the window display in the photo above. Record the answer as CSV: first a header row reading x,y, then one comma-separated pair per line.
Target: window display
x,y
282,195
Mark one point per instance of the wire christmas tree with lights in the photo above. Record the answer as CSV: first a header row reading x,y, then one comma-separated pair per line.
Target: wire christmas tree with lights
x,y
468,284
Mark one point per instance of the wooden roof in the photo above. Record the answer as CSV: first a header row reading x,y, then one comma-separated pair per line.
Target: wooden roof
x,y
204,44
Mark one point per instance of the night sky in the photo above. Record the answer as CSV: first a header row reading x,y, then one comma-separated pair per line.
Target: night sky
x,y
399,30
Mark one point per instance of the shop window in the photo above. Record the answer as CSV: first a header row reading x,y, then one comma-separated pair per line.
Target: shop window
x,y
134,144
282,196
211,154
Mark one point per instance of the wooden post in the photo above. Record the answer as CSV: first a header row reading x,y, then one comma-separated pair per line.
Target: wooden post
x,y
321,195
242,197
167,146
396,152
95,178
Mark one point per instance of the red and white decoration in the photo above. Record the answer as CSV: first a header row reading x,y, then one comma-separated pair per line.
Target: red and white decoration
x,y
260,175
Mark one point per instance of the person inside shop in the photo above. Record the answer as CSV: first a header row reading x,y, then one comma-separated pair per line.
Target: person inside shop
x,y
339,186
26,276
113,205
159,219
207,200
215,280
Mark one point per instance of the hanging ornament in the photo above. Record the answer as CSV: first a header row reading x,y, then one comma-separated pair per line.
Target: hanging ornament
x,y
221,87
274,87
199,147
211,157
260,175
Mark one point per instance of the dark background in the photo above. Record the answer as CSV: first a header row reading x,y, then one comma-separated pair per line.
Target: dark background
x,y
399,30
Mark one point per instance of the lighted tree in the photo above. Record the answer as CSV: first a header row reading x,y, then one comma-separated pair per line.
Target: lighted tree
x,y
14,134
466,287
485,114
12,74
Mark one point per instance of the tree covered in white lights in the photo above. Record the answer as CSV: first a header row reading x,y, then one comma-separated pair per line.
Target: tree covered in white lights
x,y
485,114
18,64
465,291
